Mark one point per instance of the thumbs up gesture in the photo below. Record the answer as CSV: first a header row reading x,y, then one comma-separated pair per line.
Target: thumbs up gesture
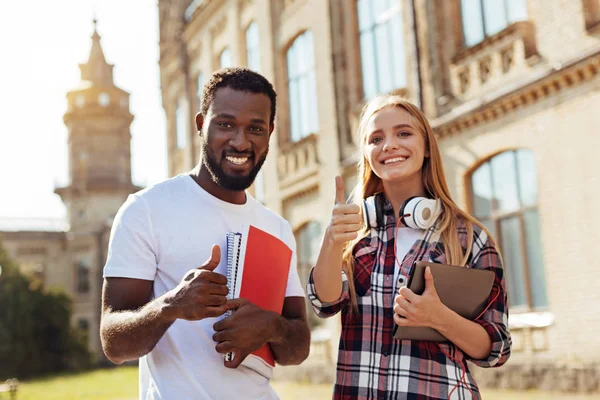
x,y
345,218
202,293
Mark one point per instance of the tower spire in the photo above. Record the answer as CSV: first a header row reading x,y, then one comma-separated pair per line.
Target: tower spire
x,y
96,53
97,70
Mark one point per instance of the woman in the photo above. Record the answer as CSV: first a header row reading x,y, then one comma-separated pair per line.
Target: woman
x,y
363,268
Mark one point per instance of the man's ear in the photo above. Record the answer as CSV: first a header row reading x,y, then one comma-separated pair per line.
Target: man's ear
x,y
199,123
271,127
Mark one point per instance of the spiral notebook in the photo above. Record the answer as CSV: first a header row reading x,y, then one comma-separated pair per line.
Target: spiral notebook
x,y
258,266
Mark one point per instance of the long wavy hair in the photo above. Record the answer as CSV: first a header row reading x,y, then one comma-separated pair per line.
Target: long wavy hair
x,y
434,182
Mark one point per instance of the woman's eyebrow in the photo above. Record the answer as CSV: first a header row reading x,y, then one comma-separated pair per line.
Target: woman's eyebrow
x,y
394,127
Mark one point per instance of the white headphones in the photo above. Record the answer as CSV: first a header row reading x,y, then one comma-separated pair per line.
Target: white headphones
x,y
416,212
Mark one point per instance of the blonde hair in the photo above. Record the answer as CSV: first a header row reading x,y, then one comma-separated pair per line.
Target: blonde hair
x,y
434,182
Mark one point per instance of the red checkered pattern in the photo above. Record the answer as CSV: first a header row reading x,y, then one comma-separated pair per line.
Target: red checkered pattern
x,y
374,365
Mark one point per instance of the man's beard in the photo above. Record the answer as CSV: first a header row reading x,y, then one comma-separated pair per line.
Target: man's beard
x,y
229,182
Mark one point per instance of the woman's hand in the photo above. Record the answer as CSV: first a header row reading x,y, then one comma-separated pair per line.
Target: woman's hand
x,y
424,310
345,218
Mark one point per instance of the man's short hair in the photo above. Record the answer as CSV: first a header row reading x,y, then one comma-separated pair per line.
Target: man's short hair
x,y
242,79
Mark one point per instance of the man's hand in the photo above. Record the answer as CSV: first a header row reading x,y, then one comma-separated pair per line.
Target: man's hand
x,y
202,293
246,330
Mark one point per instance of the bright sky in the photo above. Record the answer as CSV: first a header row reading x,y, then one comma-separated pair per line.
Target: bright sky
x,y
42,42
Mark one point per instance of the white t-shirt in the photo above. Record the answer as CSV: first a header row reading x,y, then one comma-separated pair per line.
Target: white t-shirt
x,y
159,234
405,239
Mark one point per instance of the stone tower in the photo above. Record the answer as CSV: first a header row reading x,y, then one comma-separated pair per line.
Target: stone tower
x,y
98,121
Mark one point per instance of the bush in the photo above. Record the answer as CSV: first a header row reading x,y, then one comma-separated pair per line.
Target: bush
x,y
36,336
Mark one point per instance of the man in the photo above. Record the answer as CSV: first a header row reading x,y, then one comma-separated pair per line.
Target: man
x,y
164,294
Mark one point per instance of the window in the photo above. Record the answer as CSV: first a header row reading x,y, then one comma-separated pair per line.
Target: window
x,y
103,99
259,187
253,47
504,198
199,88
226,60
82,277
302,87
591,13
382,51
308,238
483,18
181,125
83,325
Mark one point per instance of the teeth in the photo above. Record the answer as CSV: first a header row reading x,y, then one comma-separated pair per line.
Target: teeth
x,y
396,159
237,160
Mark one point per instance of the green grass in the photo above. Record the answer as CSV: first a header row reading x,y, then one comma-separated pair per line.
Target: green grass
x,y
296,391
121,384
103,384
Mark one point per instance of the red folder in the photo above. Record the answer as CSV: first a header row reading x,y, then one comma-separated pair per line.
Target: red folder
x,y
265,275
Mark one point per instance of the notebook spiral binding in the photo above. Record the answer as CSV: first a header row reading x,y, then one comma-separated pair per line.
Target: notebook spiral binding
x,y
234,241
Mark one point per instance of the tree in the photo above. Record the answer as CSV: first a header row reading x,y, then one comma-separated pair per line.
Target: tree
x,y
36,336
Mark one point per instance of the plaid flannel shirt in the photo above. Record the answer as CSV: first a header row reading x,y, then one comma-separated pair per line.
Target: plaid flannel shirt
x,y
371,363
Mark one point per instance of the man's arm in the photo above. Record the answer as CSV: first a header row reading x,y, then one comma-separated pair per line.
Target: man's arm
x,y
250,327
131,325
291,342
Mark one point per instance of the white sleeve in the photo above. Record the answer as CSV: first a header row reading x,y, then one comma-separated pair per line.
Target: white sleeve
x,y
131,250
294,286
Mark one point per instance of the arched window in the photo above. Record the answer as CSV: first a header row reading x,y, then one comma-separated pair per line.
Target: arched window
x,y
83,325
308,239
504,197
483,18
253,47
382,50
82,272
302,87
225,59
259,187
199,88
181,125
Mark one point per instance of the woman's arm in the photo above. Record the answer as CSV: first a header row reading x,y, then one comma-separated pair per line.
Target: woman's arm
x,y
486,340
344,226
469,336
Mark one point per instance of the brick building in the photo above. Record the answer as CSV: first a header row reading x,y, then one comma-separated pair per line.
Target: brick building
x,y
71,254
511,88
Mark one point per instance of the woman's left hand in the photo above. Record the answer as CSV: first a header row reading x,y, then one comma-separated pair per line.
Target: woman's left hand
x,y
424,310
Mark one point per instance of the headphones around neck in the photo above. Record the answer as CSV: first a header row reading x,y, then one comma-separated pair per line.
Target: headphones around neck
x,y
415,212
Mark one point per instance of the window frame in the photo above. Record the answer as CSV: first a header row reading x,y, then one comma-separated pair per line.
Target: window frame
x,y
226,52
82,288
199,87
495,218
255,49
181,125
300,235
303,129
482,20
395,7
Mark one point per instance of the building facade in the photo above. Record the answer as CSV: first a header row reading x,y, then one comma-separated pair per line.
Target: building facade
x,y
512,91
70,255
